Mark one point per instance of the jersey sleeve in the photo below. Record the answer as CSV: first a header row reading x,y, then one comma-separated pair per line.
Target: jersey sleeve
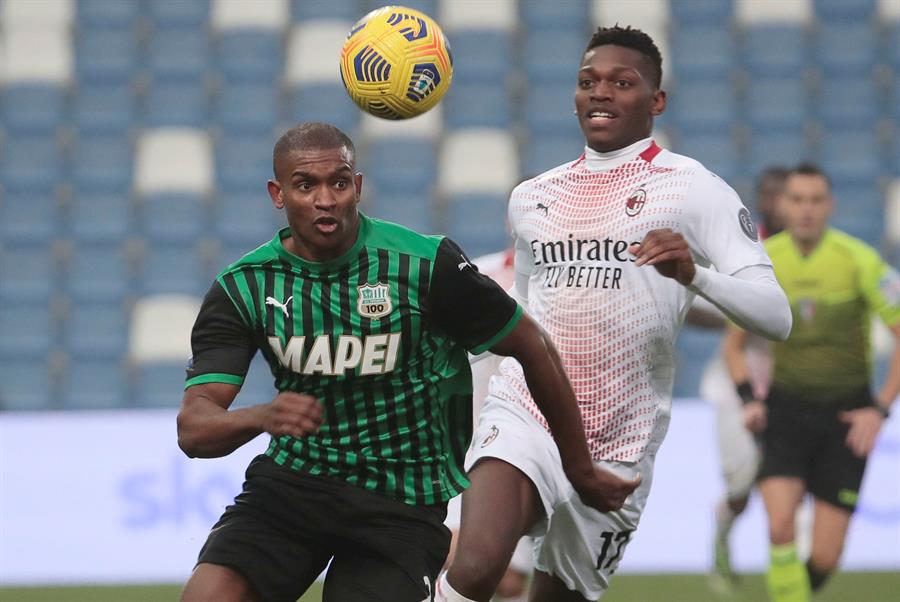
x,y
719,228
221,342
466,304
880,285
523,260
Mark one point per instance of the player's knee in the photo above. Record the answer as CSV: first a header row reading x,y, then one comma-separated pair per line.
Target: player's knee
x,y
212,582
781,531
476,571
511,585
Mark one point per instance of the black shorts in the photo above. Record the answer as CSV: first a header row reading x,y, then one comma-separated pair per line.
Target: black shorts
x,y
806,439
285,526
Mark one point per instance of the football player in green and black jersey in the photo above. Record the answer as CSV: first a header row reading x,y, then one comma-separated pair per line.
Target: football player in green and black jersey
x,y
366,327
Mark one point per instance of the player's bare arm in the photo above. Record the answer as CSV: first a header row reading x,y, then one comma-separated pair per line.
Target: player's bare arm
x,y
865,423
553,393
208,429
734,345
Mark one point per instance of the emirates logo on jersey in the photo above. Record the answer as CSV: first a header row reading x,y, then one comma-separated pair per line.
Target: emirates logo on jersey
x,y
635,203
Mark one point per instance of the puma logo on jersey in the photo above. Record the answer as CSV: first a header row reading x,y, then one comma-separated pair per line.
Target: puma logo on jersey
x,y
374,354
279,304
545,207
462,264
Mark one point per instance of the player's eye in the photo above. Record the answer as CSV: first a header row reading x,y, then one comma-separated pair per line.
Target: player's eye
x,y
585,83
305,186
623,83
341,184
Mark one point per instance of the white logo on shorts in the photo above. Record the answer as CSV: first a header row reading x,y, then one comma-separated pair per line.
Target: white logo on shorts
x,y
491,437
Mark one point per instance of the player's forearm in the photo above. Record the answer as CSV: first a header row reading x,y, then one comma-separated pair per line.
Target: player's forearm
x,y
752,299
733,353
206,430
891,387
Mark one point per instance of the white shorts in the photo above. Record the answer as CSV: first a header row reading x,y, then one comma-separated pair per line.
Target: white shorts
x,y
738,451
579,545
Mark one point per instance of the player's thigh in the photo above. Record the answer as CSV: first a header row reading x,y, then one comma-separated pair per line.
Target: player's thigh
x,y
837,473
547,588
364,576
217,583
782,496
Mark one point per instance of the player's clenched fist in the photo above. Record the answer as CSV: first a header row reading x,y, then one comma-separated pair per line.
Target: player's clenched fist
x,y
604,490
293,414
668,252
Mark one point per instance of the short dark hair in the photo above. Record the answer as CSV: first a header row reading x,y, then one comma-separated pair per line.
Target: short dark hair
x,y
630,37
810,169
312,135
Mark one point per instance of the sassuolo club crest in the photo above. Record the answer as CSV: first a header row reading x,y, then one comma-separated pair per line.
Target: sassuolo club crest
x,y
373,300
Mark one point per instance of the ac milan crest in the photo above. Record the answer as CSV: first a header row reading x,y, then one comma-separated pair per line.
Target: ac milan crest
x,y
635,203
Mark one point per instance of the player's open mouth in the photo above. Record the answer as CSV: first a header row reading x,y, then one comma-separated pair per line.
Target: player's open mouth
x,y
601,116
326,225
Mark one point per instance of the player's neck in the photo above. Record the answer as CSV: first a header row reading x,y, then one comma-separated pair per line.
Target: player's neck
x,y
597,161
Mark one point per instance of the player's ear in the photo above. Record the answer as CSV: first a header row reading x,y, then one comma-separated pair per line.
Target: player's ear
x,y
275,193
357,183
658,106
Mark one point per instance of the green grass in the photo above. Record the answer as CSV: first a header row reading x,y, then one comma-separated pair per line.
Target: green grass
x,y
846,587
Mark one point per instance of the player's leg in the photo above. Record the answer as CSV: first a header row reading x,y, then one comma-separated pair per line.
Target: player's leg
x,y
830,524
513,587
547,588
499,506
214,582
364,576
786,577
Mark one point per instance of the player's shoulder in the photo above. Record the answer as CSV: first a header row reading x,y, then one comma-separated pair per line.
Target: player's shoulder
x,y
391,236
691,169
262,255
861,252
551,176
778,243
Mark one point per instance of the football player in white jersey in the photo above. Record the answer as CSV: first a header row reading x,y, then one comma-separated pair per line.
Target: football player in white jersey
x,y
611,248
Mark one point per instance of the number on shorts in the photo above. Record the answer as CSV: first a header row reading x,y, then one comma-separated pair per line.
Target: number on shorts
x,y
621,538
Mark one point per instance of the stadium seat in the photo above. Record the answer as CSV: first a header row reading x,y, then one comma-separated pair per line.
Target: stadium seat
x,y
173,217
108,13
851,155
478,161
91,383
547,151
259,385
250,55
892,213
707,12
165,13
29,217
179,54
176,104
694,347
836,11
106,108
777,49
552,56
702,51
851,101
313,48
38,53
159,384
846,48
27,273
326,102
345,10
96,329
56,14
481,56
774,103
236,16
32,108
106,55
477,105
402,164
477,222
717,152
102,163
703,105
20,171
548,109
174,270
860,210
98,272
244,161
160,329
99,216
174,160
429,125
251,107
754,12
777,147
491,14
29,329
25,384
245,215
408,208
539,15
892,54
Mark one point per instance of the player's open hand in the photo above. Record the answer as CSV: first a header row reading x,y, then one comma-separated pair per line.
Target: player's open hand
x,y
668,252
605,490
865,423
755,417
293,414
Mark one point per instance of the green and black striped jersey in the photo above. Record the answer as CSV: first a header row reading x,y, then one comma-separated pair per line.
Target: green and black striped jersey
x,y
379,336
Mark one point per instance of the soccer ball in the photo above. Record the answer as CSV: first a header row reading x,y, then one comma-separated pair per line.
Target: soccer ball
x,y
396,63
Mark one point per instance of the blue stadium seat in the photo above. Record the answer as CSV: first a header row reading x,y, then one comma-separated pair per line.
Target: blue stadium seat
x,y
402,164
703,105
180,54
541,15
158,384
249,107
706,12
477,105
184,104
702,51
775,103
102,162
478,223
548,151
107,13
98,272
96,329
717,152
104,108
323,102
551,56
858,200
775,50
851,101
549,109
892,51
174,269
851,155
835,11
481,56
29,329
99,216
25,384
255,55
20,168
694,347
259,385
778,147
865,227
26,217
166,13
244,161
245,215
416,211
32,108
91,383
27,273
173,217
846,48
429,7
346,10
106,55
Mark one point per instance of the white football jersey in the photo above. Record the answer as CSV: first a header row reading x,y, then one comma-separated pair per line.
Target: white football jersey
x,y
615,323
